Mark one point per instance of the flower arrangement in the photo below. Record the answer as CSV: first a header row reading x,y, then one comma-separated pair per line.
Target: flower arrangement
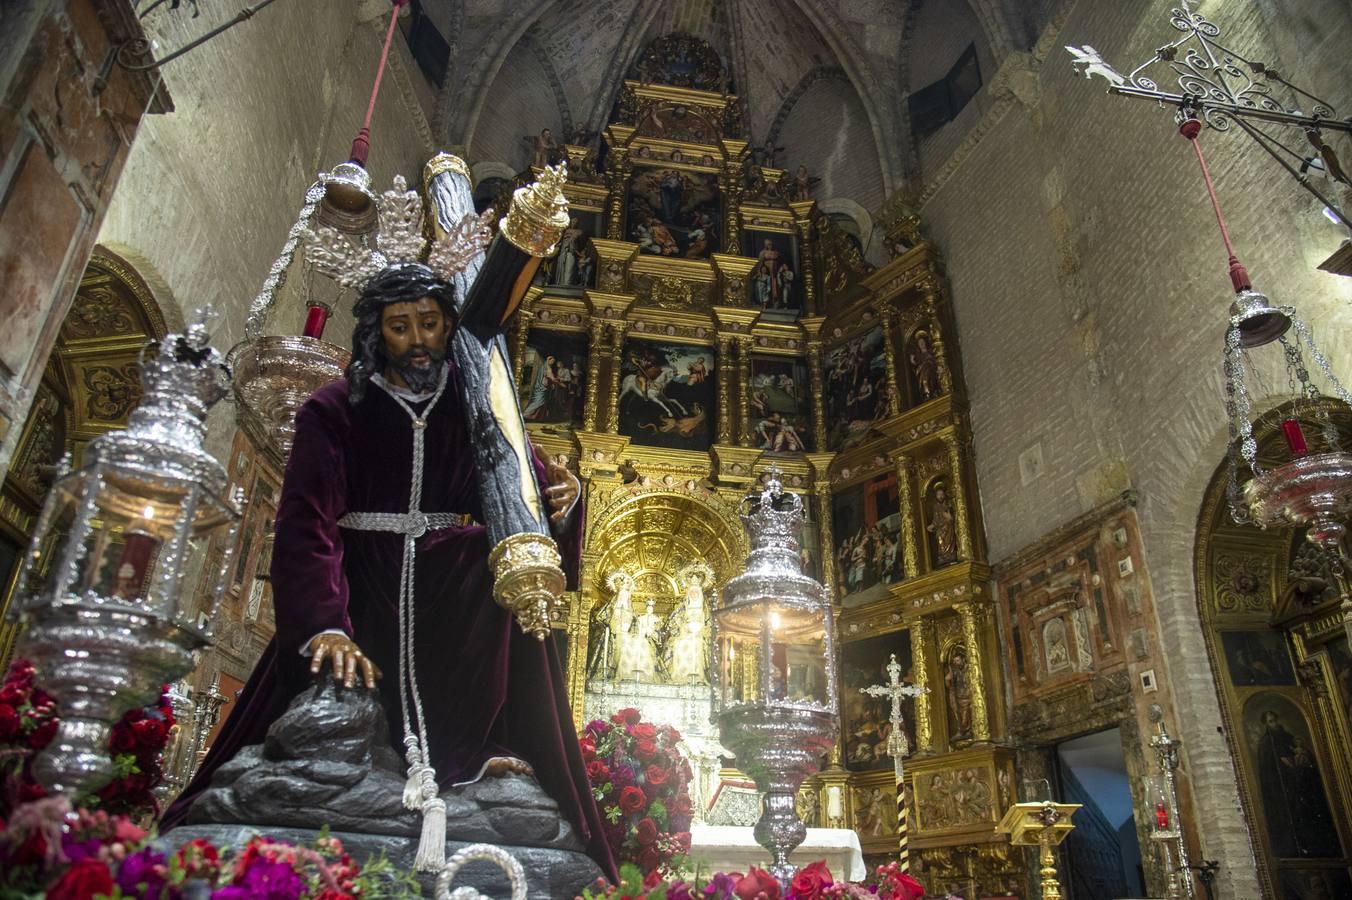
x,y
78,855
813,882
28,722
641,783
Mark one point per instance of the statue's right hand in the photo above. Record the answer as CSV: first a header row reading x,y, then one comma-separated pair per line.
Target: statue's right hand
x,y
345,656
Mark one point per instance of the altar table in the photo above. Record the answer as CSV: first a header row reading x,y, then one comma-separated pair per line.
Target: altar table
x,y
731,848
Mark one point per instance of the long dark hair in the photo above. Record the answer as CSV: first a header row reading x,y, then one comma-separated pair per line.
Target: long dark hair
x,y
398,284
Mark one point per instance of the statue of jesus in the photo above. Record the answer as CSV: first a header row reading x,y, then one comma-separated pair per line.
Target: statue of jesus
x,y
388,438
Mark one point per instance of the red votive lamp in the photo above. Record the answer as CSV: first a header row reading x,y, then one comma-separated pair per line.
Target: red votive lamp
x,y
1295,438
316,317
1161,816
133,565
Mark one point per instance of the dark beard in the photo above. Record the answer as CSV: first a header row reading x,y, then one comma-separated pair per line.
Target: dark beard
x,y
420,379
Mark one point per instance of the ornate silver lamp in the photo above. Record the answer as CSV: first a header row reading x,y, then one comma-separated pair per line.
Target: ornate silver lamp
x,y
107,618
774,679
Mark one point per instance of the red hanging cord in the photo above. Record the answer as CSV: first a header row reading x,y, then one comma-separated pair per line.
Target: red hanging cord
x,y
362,145
1239,277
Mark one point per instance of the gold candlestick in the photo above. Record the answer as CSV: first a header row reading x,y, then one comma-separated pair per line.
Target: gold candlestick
x,y
1044,825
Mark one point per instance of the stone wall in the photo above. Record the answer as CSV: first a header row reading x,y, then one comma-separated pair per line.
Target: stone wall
x,y
209,192
1090,292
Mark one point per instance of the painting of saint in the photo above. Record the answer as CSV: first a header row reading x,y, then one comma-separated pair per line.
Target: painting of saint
x,y
856,388
553,378
775,286
867,721
780,405
1314,884
1257,658
866,525
1290,785
674,213
575,263
667,395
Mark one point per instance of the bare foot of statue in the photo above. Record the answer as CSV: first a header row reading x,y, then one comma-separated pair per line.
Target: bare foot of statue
x,y
499,766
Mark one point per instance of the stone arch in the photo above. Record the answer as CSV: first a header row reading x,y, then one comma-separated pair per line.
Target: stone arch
x,y
489,168
862,218
651,531
1260,598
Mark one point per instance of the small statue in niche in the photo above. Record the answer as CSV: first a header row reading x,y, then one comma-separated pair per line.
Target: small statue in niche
x,y
768,154
544,150
619,618
638,648
924,366
942,527
958,688
803,184
690,644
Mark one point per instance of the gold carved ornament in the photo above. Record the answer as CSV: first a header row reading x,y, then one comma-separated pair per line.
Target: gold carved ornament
x,y
528,580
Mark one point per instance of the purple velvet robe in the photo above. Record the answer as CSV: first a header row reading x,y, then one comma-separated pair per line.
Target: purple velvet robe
x,y
487,688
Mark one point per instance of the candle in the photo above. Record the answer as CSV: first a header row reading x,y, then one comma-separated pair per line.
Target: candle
x,y
834,806
316,317
1295,438
1161,816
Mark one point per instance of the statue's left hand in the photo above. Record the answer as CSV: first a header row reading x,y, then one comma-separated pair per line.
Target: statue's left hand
x,y
563,487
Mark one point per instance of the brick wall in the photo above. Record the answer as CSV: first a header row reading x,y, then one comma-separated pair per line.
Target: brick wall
x,y
1090,292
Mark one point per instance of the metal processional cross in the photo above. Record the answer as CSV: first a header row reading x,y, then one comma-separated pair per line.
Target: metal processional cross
x,y
897,746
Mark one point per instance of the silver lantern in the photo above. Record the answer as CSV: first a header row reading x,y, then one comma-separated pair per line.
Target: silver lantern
x,y
107,619
774,680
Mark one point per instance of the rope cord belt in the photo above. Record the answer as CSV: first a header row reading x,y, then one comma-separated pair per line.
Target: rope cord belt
x,y
420,790
410,523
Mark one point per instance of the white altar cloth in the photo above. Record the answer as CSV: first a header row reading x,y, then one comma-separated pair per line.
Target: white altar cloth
x,y
730,848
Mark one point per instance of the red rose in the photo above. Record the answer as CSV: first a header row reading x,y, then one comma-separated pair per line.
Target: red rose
x,y
42,735
149,732
628,716
656,775
644,750
632,799
122,740
810,880
681,805
646,731
907,887
597,771
12,695
83,881
757,884
647,832
9,722
588,747
649,859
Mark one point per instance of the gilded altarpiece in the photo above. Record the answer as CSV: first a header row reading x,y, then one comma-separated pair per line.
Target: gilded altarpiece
x,y
730,329
1278,650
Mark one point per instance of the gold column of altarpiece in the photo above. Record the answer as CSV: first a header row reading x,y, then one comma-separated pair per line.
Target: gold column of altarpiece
x,y
710,303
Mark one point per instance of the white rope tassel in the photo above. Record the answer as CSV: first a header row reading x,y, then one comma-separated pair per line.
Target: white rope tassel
x,y
416,768
432,844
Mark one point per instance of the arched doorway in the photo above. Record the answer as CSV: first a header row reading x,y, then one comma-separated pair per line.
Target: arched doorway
x,y
1280,658
89,385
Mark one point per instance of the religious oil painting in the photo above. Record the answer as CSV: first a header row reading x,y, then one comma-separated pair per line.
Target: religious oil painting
x,y
775,283
856,388
866,524
1314,884
574,266
1340,660
1257,658
553,378
667,395
674,213
867,720
780,404
1287,779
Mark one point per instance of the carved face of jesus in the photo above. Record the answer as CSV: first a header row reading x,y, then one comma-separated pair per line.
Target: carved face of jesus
x,y
415,334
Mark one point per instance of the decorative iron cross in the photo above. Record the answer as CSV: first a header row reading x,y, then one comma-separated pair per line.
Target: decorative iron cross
x,y
895,690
